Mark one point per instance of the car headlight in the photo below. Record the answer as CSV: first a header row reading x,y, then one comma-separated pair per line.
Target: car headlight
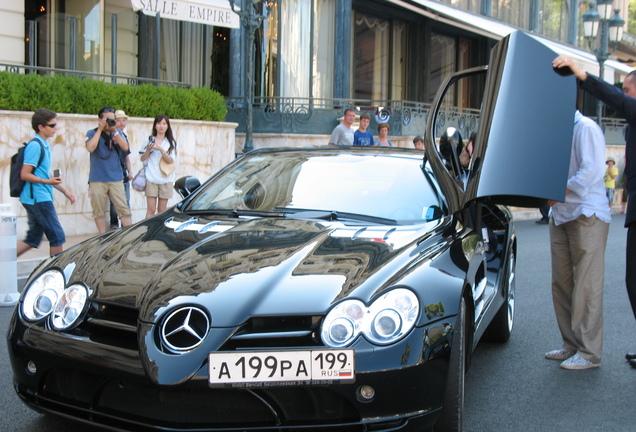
x,y
69,307
385,321
42,295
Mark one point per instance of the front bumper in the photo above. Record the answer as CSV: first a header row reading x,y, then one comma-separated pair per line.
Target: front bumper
x,y
109,387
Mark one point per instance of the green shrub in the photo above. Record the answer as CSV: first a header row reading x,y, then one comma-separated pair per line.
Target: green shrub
x,y
68,94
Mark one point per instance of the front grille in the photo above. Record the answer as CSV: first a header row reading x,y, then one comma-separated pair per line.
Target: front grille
x,y
111,325
72,386
197,405
187,407
276,332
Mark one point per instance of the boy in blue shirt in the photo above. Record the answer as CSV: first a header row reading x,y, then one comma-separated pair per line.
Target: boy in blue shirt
x,y
362,137
37,194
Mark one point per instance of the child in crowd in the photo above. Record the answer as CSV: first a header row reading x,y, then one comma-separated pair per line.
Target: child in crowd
x,y
362,136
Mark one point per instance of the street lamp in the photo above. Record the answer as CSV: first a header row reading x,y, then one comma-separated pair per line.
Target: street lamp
x,y
252,13
611,32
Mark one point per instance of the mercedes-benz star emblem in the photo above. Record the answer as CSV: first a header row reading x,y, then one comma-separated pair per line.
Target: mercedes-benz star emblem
x,y
185,328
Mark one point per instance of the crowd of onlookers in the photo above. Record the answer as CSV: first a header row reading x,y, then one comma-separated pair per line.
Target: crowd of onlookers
x,y
344,134
109,179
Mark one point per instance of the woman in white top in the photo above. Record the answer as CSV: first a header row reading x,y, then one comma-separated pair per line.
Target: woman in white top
x,y
159,155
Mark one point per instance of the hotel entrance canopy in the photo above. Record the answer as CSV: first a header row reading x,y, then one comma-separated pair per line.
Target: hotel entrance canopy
x,y
497,30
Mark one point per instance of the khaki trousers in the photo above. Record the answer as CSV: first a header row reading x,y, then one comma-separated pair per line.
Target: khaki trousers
x,y
578,270
99,194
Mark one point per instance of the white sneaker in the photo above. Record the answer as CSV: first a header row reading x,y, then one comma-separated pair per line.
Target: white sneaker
x,y
576,362
559,354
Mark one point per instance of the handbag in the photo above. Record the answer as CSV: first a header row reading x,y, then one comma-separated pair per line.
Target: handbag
x,y
139,180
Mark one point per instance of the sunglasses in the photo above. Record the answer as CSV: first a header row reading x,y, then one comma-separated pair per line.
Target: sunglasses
x,y
52,125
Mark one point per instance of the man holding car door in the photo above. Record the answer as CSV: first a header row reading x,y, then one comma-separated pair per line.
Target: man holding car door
x,y
623,101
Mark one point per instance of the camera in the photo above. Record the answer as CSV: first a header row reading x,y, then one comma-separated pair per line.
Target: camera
x,y
111,122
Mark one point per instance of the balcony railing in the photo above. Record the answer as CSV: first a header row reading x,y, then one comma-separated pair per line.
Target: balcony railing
x,y
320,116
283,115
114,79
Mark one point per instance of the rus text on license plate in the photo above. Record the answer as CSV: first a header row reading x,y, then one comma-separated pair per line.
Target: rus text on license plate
x,y
278,368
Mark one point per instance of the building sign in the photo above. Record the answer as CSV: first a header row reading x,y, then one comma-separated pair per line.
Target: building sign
x,y
212,12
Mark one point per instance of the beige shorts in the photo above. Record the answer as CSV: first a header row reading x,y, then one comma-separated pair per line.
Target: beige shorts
x,y
161,191
101,191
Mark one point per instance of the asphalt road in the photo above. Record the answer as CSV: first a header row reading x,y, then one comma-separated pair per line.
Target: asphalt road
x,y
510,387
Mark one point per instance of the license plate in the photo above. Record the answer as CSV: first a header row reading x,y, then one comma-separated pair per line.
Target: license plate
x,y
279,368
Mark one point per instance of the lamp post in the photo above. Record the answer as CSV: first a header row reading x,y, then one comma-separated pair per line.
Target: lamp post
x,y
252,13
611,32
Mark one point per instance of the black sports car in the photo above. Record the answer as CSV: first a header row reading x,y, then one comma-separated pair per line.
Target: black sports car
x,y
321,289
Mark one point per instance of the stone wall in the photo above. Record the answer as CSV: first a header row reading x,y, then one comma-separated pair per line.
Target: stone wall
x,y
203,149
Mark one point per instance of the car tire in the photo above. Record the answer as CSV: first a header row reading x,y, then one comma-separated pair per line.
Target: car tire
x,y
500,327
452,417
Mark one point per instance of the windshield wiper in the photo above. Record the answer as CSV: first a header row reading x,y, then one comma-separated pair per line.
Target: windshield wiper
x,y
332,215
236,213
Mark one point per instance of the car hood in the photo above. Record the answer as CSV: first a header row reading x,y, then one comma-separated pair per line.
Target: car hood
x,y
259,266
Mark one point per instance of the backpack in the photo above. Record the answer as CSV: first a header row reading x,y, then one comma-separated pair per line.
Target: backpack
x,y
17,160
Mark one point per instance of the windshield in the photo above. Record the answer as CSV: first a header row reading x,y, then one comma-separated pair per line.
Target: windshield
x,y
384,186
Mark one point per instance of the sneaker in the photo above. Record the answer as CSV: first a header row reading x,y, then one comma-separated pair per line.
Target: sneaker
x,y
559,354
577,362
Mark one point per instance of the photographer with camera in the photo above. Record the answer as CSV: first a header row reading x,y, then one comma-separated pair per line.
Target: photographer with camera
x,y
106,177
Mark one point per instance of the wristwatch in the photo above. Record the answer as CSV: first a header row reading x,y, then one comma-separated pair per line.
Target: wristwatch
x,y
115,134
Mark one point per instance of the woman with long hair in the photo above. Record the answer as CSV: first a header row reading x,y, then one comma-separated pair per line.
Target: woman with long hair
x,y
159,156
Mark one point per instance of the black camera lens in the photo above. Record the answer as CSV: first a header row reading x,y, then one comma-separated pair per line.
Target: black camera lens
x,y
111,122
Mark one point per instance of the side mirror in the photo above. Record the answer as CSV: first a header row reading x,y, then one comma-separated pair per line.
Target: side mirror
x,y
186,185
433,213
449,145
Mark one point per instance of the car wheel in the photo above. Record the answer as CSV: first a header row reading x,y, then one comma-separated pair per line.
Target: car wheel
x,y
500,328
452,416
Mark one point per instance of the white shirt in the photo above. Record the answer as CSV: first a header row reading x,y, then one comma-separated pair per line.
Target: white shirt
x,y
585,176
153,172
342,135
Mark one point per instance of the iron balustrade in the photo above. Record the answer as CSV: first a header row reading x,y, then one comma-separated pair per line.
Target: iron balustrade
x,y
320,116
115,79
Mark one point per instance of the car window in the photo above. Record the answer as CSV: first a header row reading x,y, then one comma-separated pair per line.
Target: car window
x,y
387,186
456,124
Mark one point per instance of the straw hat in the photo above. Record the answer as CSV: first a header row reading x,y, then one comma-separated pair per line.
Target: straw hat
x,y
166,168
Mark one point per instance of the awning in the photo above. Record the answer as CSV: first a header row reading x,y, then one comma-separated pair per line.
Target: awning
x,y
213,12
497,30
